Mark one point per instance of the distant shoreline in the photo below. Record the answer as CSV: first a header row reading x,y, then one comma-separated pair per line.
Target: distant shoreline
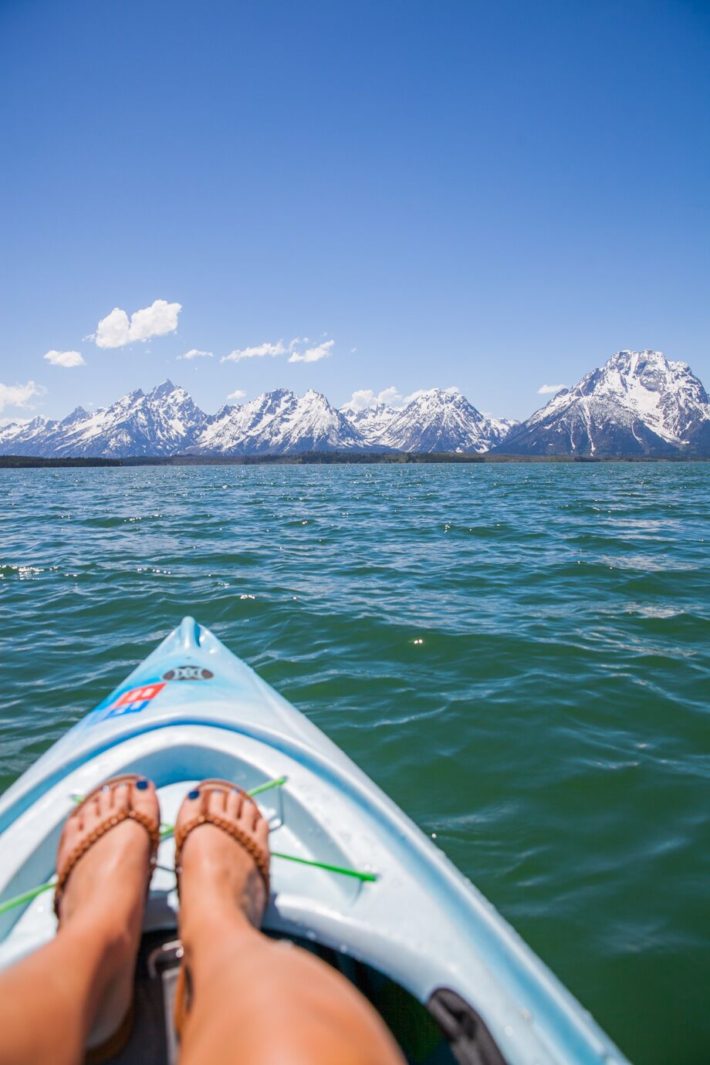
x,y
329,458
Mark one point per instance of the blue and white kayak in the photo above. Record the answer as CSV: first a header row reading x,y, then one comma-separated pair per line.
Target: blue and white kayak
x,y
357,882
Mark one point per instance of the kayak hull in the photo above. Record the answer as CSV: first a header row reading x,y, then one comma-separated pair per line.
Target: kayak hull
x,y
193,710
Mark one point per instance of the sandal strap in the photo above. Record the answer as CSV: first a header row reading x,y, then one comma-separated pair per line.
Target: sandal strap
x,y
255,851
149,824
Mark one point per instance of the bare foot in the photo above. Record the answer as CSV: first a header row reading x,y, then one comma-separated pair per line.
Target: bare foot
x,y
106,890
218,875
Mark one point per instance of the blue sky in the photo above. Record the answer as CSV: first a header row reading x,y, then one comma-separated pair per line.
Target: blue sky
x,y
489,195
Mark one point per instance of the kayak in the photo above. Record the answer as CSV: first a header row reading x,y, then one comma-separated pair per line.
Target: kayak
x,y
352,878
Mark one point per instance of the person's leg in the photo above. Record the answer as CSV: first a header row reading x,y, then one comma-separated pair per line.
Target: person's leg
x,y
79,986
253,999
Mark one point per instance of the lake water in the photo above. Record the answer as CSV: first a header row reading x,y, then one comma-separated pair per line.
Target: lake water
x,y
518,654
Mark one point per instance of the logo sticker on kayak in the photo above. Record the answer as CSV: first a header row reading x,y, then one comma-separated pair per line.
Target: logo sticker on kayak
x,y
188,673
134,700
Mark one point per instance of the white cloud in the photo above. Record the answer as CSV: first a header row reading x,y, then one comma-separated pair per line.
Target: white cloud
x,y
273,349
366,398
362,399
391,396
257,352
19,395
67,359
155,321
237,395
549,390
114,330
321,351
195,353
117,329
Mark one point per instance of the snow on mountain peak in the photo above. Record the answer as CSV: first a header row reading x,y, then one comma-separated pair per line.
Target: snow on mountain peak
x,y
664,395
441,419
166,421
638,402
371,423
278,422
164,389
77,415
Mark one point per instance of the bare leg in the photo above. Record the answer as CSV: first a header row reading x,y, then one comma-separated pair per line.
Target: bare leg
x,y
77,988
254,999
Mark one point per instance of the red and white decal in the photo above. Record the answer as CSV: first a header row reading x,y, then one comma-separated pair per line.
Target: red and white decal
x,y
135,700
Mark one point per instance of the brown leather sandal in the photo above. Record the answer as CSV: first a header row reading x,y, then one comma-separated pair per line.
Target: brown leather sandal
x,y
118,1039
183,990
204,817
152,828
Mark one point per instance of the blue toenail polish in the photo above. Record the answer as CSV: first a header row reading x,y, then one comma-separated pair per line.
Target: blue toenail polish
x,y
142,784
194,794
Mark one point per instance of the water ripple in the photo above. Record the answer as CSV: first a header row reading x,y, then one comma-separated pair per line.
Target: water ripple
x,y
518,654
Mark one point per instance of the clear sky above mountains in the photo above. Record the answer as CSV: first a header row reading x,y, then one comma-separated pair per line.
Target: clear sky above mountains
x,y
348,196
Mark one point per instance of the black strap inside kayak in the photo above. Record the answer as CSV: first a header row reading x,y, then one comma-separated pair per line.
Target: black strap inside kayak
x,y
470,1041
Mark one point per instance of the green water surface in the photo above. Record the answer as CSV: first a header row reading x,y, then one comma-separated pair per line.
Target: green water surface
x,y
517,654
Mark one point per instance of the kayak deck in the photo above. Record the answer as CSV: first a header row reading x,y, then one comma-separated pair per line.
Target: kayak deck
x,y
192,710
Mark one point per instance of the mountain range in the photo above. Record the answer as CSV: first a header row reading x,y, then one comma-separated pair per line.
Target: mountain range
x,y
166,421
638,403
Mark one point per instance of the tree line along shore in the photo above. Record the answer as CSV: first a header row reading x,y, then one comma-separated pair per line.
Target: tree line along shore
x,y
319,458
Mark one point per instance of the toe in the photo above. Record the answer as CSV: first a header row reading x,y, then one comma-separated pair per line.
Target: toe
x,y
103,805
250,814
189,808
234,803
261,832
90,813
217,802
144,798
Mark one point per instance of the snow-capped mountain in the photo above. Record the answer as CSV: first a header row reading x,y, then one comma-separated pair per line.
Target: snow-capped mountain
x,y
371,423
162,422
443,420
438,419
278,422
167,422
26,438
637,403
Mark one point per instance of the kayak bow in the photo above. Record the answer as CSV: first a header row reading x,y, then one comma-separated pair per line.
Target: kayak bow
x,y
352,877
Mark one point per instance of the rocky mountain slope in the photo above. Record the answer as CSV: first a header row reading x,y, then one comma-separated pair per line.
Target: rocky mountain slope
x,y
443,420
371,422
167,422
637,403
438,419
277,423
160,423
